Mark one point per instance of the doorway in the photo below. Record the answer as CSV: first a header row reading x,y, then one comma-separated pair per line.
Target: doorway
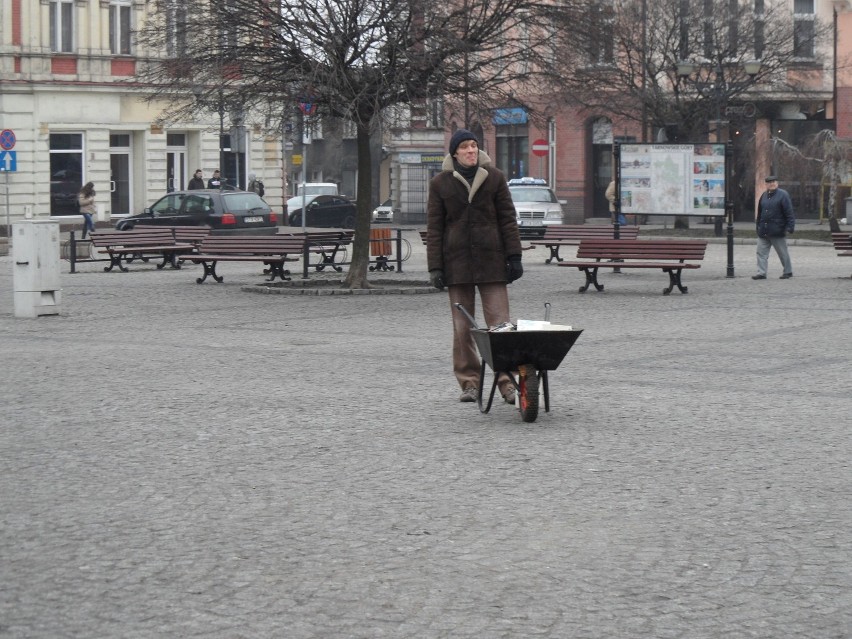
x,y
119,174
176,176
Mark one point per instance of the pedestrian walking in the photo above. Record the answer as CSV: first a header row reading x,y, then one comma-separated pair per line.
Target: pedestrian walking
x,y
197,181
774,219
472,244
86,203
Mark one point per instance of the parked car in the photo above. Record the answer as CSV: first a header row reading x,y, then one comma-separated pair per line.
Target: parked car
x,y
323,211
317,188
223,211
384,212
535,203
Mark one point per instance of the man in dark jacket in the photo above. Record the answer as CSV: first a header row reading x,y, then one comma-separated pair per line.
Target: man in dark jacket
x,y
215,182
197,181
774,220
472,243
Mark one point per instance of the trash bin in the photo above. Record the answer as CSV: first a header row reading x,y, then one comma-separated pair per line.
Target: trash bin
x,y
35,264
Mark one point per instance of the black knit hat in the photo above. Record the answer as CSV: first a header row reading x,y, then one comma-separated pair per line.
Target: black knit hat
x,y
458,137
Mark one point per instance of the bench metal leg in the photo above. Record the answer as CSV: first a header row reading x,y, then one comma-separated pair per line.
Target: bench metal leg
x,y
591,279
170,258
328,260
382,264
115,260
209,269
554,255
674,280
276,269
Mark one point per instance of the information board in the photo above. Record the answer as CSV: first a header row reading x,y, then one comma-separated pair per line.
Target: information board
x,y
672,179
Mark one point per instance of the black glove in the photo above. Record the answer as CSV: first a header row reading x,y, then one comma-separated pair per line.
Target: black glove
x,y
436,279
514,268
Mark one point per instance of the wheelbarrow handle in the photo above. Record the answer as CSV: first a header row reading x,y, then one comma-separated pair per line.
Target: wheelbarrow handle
x,y
466,314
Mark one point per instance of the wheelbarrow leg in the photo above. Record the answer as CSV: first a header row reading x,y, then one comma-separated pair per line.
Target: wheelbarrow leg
x,y
480,391
546,389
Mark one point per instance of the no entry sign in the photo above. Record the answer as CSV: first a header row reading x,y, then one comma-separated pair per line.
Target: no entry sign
x,y
540,148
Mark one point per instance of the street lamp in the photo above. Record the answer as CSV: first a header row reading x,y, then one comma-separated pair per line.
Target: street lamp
x,y
713,83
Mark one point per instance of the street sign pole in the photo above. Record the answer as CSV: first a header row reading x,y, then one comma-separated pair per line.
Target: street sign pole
x,y
8,221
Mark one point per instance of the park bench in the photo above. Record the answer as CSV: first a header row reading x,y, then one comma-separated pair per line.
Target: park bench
x,y
842,244
141,243
329,246
672,256
271,250
559,235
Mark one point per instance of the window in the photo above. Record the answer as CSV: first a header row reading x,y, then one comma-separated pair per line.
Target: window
x,y
62,26
228,31
119,27
759,24
176,30
803,28
435,112
66,172
601,45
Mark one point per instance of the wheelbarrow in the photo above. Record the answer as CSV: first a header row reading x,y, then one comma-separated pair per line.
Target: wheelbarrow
x,y
529,353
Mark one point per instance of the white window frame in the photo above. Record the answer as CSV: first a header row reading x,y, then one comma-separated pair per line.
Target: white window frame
x,y
176,21
119,33
802,18
62,38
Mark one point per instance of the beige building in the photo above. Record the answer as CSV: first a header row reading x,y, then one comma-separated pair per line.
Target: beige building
x,y
70,113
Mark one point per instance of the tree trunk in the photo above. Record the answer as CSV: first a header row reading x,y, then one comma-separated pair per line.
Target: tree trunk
x,y
358,269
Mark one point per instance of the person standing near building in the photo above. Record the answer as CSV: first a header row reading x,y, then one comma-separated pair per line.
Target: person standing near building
x,y
774,220
472,243
197,181
255,185
86,203
215,182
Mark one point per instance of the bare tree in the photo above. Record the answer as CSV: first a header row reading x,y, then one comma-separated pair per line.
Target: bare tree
x,y
351,58
626,55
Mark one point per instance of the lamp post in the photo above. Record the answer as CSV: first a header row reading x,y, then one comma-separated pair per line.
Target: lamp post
x,y
712,83
220,104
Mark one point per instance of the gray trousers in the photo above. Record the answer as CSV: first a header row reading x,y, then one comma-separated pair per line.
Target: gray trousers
x,y
780,246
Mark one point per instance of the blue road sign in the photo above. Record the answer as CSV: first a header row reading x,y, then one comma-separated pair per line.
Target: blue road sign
x,y
8,161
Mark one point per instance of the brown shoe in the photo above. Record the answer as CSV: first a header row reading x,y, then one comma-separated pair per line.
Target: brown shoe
x,y
469,394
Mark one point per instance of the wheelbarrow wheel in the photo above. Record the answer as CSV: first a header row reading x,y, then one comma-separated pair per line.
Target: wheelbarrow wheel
x,y
528,392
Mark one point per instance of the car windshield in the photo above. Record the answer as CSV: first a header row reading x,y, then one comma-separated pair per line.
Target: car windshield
x,y
532,194
243,201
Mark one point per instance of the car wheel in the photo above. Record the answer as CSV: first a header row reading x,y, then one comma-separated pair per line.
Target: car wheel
x,y
296,219
124,226
349,222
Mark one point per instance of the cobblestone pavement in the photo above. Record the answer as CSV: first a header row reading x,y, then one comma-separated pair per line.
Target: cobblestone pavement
x,y
183,460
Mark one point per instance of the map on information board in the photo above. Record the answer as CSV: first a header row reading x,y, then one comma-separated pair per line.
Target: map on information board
x,y
672,179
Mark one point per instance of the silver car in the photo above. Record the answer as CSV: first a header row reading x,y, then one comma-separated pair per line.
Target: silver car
x,y
535,203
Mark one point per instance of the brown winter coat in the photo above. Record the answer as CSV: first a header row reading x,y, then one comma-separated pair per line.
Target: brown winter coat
x,y
471,230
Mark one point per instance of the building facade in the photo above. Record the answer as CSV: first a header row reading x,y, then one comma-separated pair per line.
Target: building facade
x,y
69,101
74,114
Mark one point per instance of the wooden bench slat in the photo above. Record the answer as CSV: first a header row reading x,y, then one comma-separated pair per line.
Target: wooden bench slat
x,y
559,235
